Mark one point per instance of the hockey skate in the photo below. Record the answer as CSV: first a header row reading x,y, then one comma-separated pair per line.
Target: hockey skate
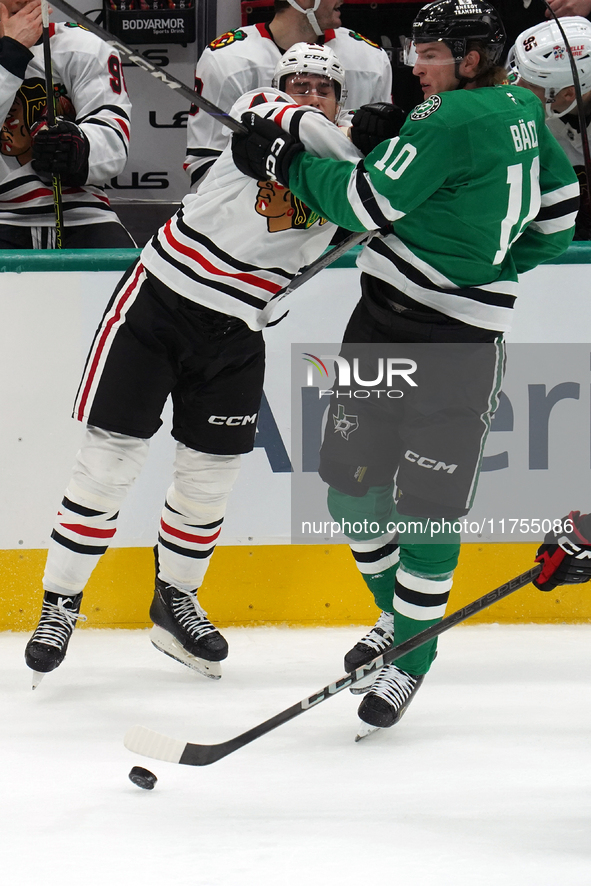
x,y
47,648
379,639
182,631
387,700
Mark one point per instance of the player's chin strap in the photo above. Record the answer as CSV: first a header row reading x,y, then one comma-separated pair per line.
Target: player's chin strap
x,y
550,114
310,15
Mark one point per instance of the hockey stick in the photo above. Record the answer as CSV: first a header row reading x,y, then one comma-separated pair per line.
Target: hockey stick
x,y
56,183
325,260
155,70
580,106
153,744
322,262
209,108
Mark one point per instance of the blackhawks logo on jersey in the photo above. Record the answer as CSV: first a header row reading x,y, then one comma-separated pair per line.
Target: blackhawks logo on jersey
x,y
363,39
29,106
282,209
426,108
227,39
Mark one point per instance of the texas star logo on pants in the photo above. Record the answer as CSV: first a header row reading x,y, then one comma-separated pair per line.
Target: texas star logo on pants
x,y
345,424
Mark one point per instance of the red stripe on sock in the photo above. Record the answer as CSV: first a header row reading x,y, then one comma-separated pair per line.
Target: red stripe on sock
x,y
186,536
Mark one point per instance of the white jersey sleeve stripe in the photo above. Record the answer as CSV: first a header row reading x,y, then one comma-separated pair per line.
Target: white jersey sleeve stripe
x,y
372,210
553,225
560,194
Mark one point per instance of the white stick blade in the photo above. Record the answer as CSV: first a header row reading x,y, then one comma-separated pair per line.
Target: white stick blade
x,y
153,744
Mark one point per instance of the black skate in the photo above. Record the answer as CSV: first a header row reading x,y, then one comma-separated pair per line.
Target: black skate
x,y
379,639
47,648
387,700
182,630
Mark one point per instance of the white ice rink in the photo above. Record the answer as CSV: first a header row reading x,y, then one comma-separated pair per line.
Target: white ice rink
x,y
487,779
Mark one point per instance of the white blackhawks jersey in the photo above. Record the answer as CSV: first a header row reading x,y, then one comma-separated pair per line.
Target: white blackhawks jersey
x,y
235,244
568,138
246,58
89,80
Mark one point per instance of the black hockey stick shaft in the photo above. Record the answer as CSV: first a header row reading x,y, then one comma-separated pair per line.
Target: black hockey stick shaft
x,y
324,261
152,744
235,125
155,70
580,106
320,264
56,184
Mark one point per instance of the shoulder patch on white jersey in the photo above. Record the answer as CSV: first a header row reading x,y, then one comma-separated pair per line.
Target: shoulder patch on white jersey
x,y
361,39
426,108
262,99
227,39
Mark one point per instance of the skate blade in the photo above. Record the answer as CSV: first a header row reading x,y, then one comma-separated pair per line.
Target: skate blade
x,y
166,643
365,729
364,685
36,678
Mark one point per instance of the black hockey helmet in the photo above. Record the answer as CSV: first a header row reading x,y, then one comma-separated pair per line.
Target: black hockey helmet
x,y
456,22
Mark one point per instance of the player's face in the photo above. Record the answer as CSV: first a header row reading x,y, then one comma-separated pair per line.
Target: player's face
x,y
314,90
328,14
435,68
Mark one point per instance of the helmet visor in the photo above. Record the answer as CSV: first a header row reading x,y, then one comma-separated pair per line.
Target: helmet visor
x,y
409,51
309,84
436,57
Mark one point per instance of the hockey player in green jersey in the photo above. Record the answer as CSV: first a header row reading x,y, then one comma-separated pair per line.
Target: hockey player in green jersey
x,y
473,191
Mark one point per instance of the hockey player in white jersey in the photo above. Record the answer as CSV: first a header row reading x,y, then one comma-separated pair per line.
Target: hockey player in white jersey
x,y
186,321
88,146
540,62
245,59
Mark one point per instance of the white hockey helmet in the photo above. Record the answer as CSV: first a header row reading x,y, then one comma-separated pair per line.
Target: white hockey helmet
x,y
310,58
539,56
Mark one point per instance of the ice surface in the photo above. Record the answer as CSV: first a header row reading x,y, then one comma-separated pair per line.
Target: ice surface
x,y
486,780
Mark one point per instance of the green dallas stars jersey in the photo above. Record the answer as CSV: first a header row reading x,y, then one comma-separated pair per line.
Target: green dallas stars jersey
x,y
477,190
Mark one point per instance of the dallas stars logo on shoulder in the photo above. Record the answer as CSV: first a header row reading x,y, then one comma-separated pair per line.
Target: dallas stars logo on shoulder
x,y
345,424
227,39
426,108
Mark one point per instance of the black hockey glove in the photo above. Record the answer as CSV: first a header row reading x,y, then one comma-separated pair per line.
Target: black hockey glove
x,y
266,152
61,150
373,124
566,556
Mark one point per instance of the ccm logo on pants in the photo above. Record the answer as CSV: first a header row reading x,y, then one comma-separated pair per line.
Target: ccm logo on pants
x,y
428,462
233,421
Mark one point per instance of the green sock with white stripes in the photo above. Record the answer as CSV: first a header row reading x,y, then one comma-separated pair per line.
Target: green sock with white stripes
x,y
376,508
423,583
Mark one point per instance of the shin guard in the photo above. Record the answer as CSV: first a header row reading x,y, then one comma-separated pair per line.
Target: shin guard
x,y
106,468
193,514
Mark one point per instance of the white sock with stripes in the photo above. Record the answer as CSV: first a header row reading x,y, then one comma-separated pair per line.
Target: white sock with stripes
x,y
105,470
193,514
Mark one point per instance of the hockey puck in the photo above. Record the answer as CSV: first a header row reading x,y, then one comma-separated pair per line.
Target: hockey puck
x,y
143,778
